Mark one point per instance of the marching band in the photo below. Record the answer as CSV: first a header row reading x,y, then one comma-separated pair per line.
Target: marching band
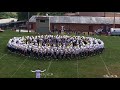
x,y
56,46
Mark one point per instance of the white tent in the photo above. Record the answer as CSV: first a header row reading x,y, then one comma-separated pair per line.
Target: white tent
x,y
2,21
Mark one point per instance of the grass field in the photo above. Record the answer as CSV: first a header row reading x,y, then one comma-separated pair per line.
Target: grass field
x,y
16,66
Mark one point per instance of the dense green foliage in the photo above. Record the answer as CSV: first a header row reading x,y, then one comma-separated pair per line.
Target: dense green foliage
x,y
26,15
5,15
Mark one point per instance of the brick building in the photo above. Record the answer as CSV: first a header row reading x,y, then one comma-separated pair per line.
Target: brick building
x,y
94,14
78,23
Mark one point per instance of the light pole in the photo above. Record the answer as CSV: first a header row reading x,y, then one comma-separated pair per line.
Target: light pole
x,y
104,14
114,21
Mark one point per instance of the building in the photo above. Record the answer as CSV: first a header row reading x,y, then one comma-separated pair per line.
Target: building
x,y
78,23
4,23
94,14
42,25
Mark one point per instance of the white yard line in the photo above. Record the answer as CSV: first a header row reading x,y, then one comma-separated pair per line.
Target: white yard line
x,y
18,68
105,66
110,50
3,56
48,67
109,75
116,37
105,63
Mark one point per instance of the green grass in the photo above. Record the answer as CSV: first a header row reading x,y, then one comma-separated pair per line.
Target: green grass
x,y
16,66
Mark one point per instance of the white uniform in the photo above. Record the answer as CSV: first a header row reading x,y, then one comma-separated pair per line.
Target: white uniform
x,y
57,52
38,73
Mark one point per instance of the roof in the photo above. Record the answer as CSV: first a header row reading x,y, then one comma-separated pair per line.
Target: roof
x,y
80,19
2,21
18,22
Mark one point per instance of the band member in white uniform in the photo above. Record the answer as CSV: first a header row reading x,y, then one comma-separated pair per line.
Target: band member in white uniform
x,y
38,72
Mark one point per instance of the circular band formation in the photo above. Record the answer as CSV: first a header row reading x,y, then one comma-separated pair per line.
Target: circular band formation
x,y
51,46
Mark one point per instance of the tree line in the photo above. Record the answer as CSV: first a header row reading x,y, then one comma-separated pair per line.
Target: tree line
x,y
26,15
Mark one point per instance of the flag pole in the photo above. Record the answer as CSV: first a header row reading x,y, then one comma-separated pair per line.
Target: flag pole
x,y
114,21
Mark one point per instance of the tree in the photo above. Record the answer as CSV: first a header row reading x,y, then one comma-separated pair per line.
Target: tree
x,y
24,15
8,15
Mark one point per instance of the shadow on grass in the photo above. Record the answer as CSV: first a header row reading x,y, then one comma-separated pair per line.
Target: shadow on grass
x,y
48,58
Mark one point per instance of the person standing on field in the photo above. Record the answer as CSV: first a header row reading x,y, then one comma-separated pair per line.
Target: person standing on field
x,y
38,72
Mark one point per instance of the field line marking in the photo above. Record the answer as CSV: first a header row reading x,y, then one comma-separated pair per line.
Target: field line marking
x,y
48,67
109,43
116,37
18,68
110,55
3,56
105,65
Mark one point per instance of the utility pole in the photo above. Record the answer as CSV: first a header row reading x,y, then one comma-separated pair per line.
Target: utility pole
x,y
28,21
114,21
104,14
